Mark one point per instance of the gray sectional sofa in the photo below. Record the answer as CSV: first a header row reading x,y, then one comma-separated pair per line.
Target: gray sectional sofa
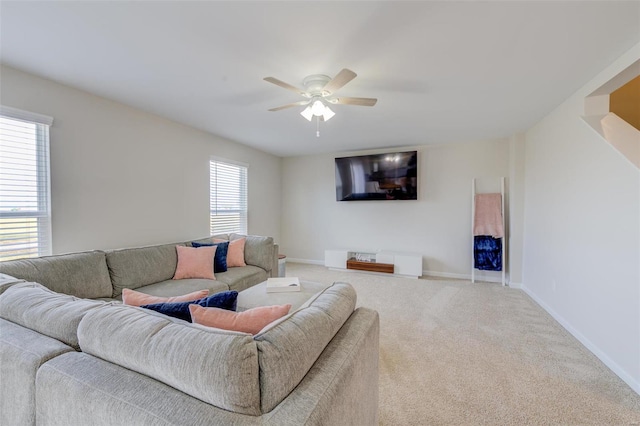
x,y
68,360
103,274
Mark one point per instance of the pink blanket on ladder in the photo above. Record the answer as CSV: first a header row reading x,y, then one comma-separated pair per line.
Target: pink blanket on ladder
x,y
488,215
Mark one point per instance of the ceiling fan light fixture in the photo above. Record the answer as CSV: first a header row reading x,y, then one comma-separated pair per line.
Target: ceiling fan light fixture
x,y
327,113
317,108
307,113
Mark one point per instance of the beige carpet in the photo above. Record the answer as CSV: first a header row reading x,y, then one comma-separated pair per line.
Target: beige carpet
x,y
456,353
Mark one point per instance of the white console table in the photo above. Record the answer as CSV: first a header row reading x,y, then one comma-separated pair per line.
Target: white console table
x,y
404,264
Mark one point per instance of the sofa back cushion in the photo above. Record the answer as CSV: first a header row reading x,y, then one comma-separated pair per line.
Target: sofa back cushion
x,y
288,348
7,281
79,274
258,251
136,267
217,367
52,314
209,240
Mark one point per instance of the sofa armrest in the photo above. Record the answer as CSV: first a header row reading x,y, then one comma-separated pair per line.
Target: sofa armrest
x,y
288,348
342,385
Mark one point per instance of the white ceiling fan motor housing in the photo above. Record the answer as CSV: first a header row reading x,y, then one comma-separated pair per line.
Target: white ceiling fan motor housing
x,y
314,84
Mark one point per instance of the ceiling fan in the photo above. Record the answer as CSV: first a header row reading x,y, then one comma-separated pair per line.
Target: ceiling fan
x,y
319,91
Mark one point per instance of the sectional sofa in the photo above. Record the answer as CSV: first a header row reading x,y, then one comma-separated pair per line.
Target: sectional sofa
x,y
104,274
72,353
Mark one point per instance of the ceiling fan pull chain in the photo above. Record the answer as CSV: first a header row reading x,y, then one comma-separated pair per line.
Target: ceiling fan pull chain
x,y
317,126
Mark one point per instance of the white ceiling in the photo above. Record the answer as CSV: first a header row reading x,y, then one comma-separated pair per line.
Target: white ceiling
x,y
442,71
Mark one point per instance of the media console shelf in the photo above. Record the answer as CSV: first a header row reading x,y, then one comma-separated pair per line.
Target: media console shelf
x,y
369,266
404,264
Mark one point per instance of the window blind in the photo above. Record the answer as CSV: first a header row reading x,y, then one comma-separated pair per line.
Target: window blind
x,y
228,197
25,212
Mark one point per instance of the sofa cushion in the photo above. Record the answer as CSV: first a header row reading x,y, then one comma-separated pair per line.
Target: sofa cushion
x,y
52,314
79,274
299,339
169,288
258,250
225,300
195,262
215,366
137,267
235,252
250,321
243,277
136,298
220,259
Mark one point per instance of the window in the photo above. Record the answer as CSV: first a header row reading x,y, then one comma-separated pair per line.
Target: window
x,y
228,197
25,200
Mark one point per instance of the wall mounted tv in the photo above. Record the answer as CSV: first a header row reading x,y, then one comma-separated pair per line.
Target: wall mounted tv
x,y
388,176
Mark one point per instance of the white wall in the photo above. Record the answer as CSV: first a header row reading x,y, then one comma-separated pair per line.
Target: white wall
x,y
582,231
437,225
122,177
515,210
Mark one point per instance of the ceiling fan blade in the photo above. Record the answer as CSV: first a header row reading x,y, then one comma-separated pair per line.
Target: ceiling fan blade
x,y
285,85
339,80
355,101
299,103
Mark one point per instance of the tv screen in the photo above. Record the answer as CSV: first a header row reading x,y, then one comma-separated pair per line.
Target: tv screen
x,y
389,176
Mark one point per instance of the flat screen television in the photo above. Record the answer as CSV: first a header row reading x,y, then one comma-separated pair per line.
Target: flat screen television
x,y
388,176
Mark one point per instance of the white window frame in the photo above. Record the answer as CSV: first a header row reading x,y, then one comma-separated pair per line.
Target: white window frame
x,y
38,241
227,215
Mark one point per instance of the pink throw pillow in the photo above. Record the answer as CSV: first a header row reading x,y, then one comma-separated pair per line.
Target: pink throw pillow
x,y
235,254
135,298
249,321
195,262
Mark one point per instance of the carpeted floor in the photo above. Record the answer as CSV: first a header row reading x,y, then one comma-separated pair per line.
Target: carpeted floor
x,y
456,353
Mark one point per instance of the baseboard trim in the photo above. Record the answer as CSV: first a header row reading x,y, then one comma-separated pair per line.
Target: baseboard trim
x,y
306,261
612,365
446,275
483,278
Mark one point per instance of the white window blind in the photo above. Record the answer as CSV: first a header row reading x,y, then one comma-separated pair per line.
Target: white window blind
x,y
228,197
25,212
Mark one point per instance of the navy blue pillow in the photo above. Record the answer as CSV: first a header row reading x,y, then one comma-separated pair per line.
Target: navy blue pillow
x,y
225,300
220,259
